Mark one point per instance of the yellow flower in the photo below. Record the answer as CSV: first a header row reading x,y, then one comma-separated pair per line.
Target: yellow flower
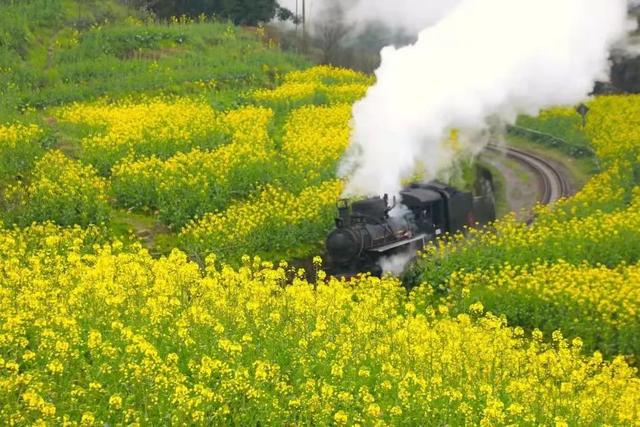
x,y
341,417
373,410
88,419
115,402
55,367
476,308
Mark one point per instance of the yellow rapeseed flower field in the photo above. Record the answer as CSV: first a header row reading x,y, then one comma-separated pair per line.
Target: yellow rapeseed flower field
x,y
315,138
182,159
162,127
108,335
576,297
61,190
574,267
322,84
191,184
19,148
11,136
273,222
514,325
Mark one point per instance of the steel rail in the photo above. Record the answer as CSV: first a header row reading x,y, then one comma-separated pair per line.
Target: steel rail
x,y
553,184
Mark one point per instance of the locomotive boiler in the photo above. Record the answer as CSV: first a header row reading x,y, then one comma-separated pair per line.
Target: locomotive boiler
x,y
368,230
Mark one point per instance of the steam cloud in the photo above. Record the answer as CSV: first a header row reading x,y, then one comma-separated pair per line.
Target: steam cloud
x,y
396,264
410,16
485,60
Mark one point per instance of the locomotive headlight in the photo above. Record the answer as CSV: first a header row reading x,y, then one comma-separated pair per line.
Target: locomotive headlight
x,y
343,245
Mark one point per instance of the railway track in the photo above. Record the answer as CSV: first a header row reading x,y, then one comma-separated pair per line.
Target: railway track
x,y
553,184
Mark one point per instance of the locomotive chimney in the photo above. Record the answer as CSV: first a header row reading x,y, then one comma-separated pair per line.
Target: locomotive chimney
x,y
389,207
344,214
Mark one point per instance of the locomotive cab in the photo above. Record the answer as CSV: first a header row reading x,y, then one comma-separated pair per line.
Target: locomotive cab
x,y
428,208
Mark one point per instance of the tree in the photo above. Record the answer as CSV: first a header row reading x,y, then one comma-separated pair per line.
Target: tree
x,y
330,31
241,12
249,12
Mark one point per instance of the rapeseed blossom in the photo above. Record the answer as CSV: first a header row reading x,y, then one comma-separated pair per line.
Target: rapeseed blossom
x,y
314,140
121,337
188,185
19,148
162,127
274,221
61,190
575,266
13,135
191,184
317,85
563,296
95,332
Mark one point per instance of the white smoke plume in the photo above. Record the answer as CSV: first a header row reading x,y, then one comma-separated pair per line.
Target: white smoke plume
x,y
396,264
484,60
410,16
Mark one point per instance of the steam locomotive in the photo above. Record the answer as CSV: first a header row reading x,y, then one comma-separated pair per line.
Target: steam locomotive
x,y
371,229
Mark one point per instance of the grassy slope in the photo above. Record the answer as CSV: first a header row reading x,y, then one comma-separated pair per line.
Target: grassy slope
x,y
52,55
568,145
581,168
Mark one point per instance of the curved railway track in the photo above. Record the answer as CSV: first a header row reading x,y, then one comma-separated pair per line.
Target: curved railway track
x,y
553,184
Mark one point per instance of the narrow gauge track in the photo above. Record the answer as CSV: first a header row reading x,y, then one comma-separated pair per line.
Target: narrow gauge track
x,y
553,184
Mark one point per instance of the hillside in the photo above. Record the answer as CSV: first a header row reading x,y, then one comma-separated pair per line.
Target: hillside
x,y
54,52
158,125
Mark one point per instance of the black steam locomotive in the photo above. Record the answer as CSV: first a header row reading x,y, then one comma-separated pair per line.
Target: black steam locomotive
x,y
371,229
